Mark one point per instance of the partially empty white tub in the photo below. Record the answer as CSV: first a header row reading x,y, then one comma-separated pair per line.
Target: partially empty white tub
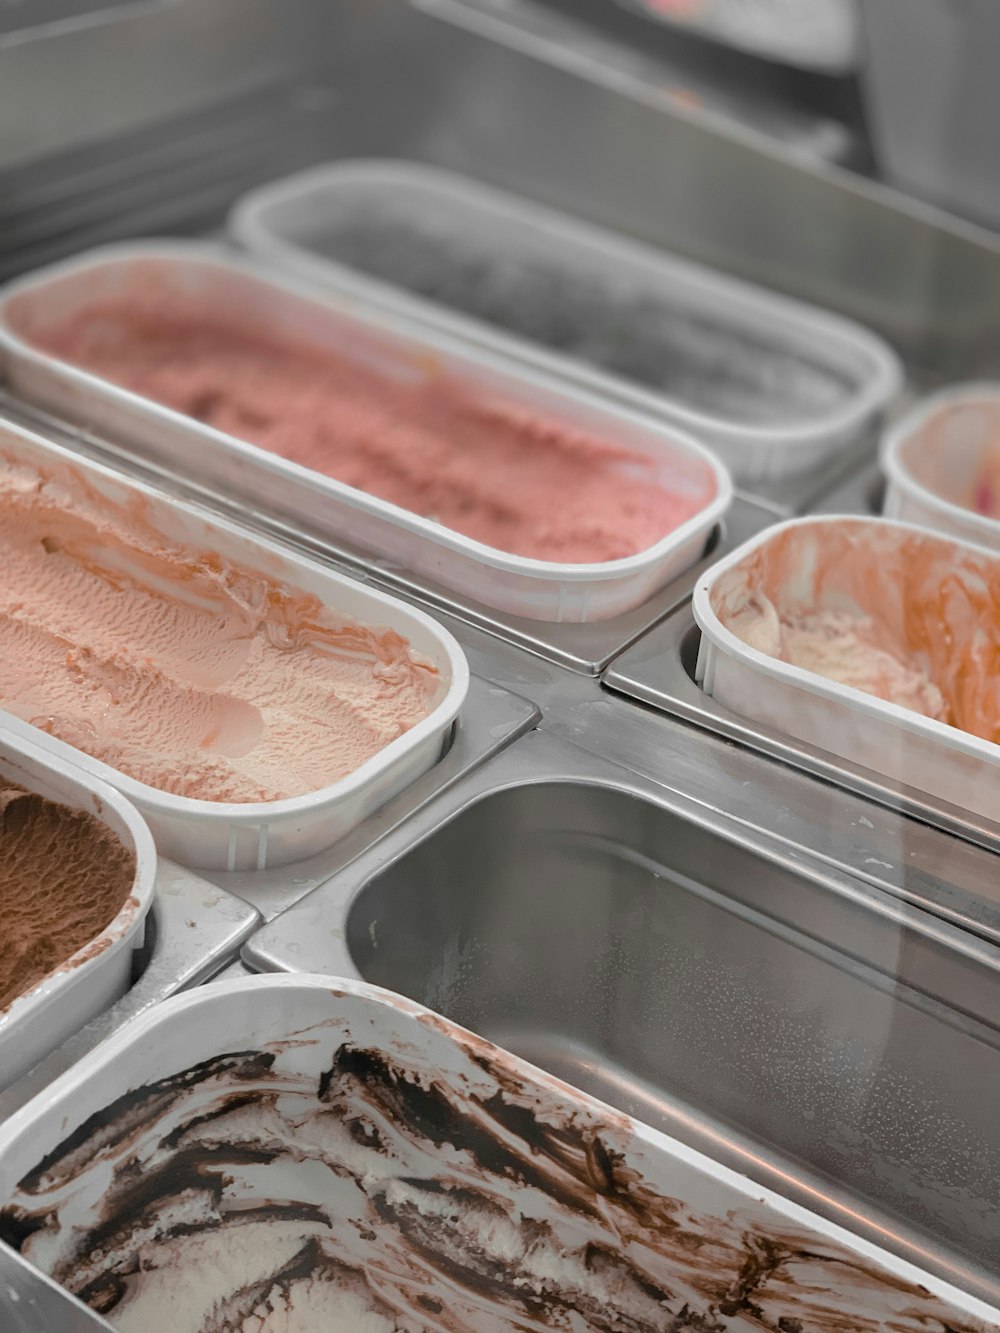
x,y
939,455
99,972
845,565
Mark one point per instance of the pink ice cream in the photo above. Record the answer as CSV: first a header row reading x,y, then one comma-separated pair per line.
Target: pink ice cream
x,y
178,668
841,647
517,482
907,616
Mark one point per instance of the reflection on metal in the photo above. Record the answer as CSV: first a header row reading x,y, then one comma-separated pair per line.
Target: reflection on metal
x,y
697,974
33,1303
451,83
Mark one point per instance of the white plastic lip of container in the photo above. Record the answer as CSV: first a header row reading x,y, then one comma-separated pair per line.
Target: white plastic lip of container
x,y
918,751
960,417
311,1017
90,980
536,589
823,35
256,835
268,220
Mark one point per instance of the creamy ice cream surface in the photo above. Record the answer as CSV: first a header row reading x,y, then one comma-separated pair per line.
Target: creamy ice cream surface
x,y
178,667
64,877
351,1180
458,454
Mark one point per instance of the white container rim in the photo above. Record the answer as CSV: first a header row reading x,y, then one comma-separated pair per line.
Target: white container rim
x,y
255,812
104,1059
908,426
860,701
127,919
248,225
199,252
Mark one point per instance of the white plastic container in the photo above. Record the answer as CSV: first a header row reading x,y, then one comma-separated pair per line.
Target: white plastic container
x,y
282,222
933,457
536,589
906,746
811,34
99,973
254,835
387,1154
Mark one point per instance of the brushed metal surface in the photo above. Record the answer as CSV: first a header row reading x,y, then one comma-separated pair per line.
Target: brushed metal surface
x,y
32,1303
814,1032
660,671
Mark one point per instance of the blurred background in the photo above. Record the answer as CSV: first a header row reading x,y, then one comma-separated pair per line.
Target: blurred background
x,y
839,151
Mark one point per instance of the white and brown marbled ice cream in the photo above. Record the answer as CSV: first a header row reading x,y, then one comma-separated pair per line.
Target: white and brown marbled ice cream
x,y
383,1172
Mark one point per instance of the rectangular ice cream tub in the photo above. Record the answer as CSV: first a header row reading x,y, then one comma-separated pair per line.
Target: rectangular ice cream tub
x,y
774,386
942,464
299,1152
252,704
874,640
87,859
425,439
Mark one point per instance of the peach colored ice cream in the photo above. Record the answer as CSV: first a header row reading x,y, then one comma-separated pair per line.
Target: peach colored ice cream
x,y
909,617
178,668
514,481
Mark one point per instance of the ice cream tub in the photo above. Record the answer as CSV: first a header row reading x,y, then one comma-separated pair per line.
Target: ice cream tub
x,y
774,386
77,866
252,704
942,464
875,641
492,478
300,1152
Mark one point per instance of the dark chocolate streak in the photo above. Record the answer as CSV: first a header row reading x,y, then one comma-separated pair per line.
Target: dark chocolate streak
x,y
108,1130
431,1114
503,1138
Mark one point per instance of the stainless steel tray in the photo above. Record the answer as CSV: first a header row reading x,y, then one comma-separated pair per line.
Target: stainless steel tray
x,y
33,1303
814,1033
660,671
195,929
491,719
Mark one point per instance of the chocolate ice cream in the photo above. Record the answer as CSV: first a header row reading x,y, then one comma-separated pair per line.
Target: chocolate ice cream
x,y
63,878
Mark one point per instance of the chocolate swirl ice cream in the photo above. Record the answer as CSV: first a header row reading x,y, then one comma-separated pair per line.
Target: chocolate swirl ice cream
x,y
351,1184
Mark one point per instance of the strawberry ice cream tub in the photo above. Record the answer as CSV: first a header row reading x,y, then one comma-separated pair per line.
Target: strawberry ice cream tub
x,y
873,640
495,480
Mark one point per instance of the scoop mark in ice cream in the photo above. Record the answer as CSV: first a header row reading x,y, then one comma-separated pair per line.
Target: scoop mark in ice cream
x,y
64,877
179,668
386,1197
518,482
